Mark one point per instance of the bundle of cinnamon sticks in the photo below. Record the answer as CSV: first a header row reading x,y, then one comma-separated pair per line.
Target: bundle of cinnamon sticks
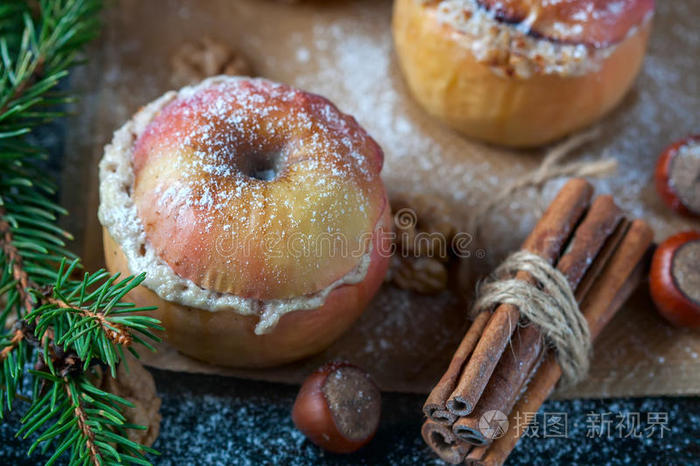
x,y
506,367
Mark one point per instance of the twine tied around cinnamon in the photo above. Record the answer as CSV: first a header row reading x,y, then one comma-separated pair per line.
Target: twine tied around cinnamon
x,y
550,305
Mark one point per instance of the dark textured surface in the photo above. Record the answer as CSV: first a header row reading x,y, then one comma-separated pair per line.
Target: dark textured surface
x,y
216,420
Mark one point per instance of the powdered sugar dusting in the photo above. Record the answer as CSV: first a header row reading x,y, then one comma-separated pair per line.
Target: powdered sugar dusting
x,y
369,95
221,128
118,212
421,154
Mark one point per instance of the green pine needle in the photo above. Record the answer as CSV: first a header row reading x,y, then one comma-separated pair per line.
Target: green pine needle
x,y
67,328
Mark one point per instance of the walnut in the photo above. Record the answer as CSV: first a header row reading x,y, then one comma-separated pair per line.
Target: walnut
x,y
423,225
136,385
194,61
424,232
424,275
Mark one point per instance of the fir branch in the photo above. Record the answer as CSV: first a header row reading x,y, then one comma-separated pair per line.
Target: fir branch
x,y
84,427
17,336
69,329
117,333
11,254
80,413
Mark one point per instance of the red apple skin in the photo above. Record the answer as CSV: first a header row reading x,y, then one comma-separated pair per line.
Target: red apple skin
x,y
670,302
662,175
227,338
328,181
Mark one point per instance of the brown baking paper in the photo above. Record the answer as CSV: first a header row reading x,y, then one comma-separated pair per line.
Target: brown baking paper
x,y
343,50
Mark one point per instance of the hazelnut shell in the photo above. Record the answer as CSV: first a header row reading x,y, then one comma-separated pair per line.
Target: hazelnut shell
x,y
670,300
662,176
313,416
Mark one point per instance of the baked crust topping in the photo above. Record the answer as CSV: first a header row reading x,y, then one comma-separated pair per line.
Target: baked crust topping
x,y
597,23
565,38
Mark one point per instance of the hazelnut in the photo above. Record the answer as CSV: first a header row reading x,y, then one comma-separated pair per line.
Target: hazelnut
x,y
677,176
338,408
674,280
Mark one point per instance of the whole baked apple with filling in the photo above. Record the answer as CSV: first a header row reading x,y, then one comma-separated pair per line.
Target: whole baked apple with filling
x,y
249,196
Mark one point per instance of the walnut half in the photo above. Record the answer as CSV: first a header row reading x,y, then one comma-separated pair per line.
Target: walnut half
x,y
423,275
424,233
194,61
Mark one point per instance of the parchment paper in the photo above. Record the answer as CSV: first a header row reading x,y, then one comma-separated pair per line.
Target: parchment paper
x,y
343,50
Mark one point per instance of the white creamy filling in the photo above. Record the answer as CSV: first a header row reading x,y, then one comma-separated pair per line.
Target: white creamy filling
x,y
510,50
118,214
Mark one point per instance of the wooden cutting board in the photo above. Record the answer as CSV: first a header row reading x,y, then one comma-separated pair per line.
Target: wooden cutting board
x,y
343,50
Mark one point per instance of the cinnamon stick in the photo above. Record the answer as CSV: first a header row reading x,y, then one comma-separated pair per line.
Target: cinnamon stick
x,y
434,407
514,369
599,306
546,240
443,442
589,239
602,260
602,302
476,455
510,376
602,217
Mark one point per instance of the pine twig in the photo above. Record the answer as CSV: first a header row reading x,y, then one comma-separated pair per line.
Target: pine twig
x,y
65,327
17,336
85,428
116,332
20,275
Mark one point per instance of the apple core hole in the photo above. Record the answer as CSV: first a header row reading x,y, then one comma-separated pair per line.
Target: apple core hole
x,y
262,165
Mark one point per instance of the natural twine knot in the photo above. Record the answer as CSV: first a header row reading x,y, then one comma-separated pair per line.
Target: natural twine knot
x,y
550,305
